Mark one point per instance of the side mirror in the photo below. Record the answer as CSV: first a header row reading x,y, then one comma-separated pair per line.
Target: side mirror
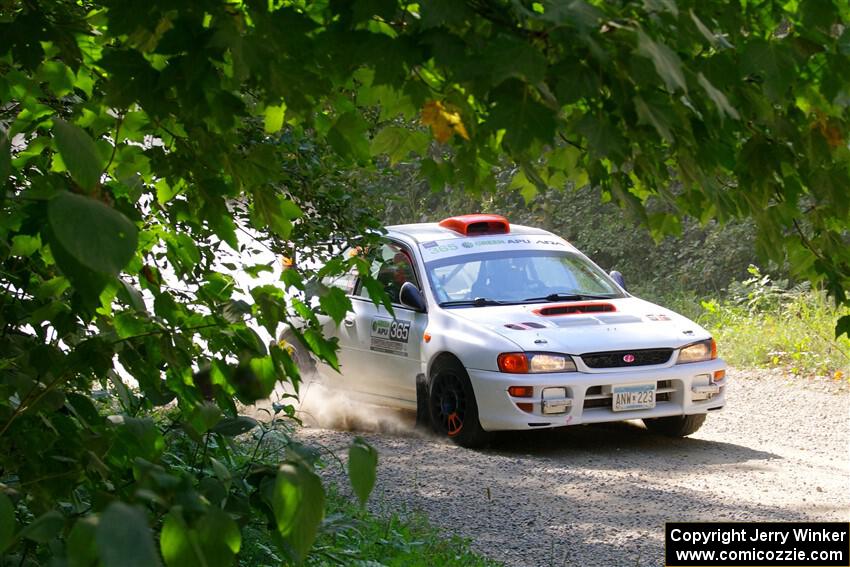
x,y
618,277
410,296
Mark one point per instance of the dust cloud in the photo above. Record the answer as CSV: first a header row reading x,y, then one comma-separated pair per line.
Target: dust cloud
x,y
321,407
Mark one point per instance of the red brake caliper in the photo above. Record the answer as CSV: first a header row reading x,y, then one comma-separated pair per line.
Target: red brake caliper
x,y
454,424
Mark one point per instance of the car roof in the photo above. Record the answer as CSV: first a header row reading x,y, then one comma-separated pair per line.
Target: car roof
x,y
431,231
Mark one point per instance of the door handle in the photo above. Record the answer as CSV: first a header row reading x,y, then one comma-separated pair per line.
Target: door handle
x,y
348,321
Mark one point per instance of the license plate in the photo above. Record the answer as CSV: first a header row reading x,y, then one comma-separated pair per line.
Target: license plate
x,y
633,397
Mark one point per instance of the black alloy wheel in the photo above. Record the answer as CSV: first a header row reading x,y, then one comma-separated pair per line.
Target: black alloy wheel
x,y
452,405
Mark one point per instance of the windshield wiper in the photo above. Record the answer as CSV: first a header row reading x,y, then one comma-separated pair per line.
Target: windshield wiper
x,y
567,297
477,302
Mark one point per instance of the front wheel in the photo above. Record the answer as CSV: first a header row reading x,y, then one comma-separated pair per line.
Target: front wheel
x,y
676,425
452,405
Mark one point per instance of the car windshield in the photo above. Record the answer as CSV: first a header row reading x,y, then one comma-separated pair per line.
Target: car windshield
x,y
513,276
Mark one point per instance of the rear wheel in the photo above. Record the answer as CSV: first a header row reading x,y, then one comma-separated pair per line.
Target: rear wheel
x,y
675,426
452,406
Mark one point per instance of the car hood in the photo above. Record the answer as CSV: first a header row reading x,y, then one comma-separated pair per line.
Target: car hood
x,y
625,324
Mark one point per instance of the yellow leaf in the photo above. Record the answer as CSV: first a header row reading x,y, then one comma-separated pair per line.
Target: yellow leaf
x,y
443,121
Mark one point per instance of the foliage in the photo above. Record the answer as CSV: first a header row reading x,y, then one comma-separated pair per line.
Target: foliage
x,y
387,537
701,259
715,110
130,211
761,322
139,140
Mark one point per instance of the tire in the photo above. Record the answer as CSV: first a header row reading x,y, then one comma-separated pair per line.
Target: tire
x,y
452,405
675,426
423,414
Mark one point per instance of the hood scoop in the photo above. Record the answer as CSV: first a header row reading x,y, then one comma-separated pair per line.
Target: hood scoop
x,y
575,309
525,326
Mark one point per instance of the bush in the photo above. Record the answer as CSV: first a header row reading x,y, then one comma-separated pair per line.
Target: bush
x,y
761,322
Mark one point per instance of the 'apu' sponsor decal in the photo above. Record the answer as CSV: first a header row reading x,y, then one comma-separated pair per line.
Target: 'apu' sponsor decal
x,y
390,336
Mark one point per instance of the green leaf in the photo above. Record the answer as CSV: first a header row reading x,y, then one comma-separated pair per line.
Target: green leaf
x,y
844,42
93,233
398,143
576,13
124,538
129,324
88,283
7,522
298,501
661,6
526,188
273,118
508,58
773,63
82,543
221,472
347,137
271,305
526,122
214,541
132,297
24,245
842,327
44,528
335,303
362,467
667,63
604,138
5,160
289,209
165,192
275,212
439,12
376,292
233,426
719,99
706,33
655,117
175,543
204,417
564,158
79,154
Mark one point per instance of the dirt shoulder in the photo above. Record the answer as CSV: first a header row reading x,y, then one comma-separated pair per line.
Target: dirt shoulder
x,y
599,495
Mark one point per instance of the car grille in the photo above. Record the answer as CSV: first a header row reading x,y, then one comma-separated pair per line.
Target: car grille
x,y
617,359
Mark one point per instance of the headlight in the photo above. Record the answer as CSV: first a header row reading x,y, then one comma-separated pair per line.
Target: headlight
x,y
535,362
698,352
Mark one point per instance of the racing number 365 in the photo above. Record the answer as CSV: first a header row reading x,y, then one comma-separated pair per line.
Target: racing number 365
x,y
399,330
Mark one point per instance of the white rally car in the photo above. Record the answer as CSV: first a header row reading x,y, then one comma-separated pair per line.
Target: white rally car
x,y
505,327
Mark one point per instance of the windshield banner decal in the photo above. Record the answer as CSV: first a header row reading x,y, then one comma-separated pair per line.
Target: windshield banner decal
x,y
458,246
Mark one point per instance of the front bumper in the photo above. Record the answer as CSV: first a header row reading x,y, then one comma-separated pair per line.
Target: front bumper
x,y
681,390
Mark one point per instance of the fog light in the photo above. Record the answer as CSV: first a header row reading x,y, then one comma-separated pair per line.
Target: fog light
x,y
719,375
525,406
521,391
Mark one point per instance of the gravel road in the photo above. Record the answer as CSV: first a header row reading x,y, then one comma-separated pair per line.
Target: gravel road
x,y
599,495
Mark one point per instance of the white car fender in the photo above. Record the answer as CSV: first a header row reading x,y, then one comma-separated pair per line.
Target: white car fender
x,y
472,345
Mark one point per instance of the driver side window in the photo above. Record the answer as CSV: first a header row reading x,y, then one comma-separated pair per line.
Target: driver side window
x,y
391,265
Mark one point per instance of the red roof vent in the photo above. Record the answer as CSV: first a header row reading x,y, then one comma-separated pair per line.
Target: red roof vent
x,y
473,225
